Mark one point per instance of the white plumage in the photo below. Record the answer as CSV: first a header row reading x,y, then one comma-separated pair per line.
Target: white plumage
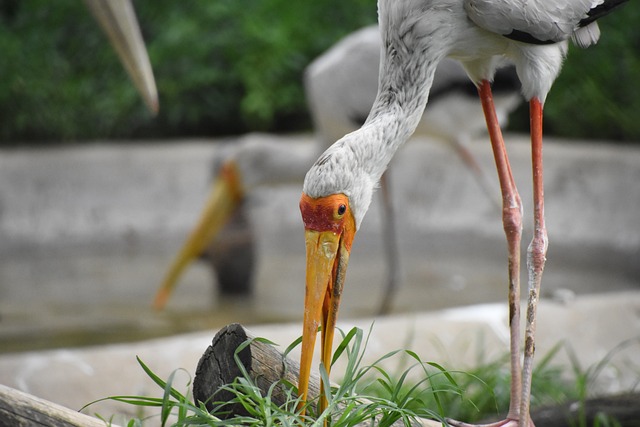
x,y
542,20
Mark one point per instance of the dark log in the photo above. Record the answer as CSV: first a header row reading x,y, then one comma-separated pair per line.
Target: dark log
x,y
22,409
265,365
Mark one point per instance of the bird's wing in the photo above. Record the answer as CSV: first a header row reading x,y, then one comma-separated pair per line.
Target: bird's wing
x,y
541,21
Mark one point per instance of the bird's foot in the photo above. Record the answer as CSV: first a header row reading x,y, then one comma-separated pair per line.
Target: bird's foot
x,y
504,423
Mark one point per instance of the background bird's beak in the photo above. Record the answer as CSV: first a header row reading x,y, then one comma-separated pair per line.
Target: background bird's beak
x,y
327,259
226,195
118,20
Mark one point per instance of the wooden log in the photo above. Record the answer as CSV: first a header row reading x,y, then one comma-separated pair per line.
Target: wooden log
x,y
22,409
267,366
264,363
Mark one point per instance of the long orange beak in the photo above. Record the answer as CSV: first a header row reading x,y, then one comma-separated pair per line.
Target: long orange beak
x,y
327,259
118,20
226,194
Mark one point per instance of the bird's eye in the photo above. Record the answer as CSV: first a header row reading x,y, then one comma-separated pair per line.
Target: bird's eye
x,y
342,209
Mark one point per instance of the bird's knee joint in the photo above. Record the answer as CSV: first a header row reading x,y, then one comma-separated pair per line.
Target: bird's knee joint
x,y
512,220
537,251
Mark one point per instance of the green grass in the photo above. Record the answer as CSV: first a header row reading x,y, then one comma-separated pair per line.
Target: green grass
x,y
369,391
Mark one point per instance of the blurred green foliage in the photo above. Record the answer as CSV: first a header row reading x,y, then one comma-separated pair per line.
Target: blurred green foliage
x,y
597,95
232,66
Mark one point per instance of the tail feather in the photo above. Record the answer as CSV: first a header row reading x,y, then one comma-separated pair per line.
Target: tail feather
x,y
586,36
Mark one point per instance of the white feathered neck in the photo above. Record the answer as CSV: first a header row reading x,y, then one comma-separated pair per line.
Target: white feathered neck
x,y
354,164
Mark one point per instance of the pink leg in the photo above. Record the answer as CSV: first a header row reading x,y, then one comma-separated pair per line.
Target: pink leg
x,y
512,221
536,254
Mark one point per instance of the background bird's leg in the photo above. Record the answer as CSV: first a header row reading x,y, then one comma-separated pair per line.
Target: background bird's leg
x,y
536,253
512,221
390,243
232,255
460,147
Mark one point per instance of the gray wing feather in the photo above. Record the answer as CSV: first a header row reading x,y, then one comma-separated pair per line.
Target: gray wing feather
x,y
544,21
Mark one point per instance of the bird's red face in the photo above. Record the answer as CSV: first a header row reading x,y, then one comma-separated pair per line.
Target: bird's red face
x,y
329,232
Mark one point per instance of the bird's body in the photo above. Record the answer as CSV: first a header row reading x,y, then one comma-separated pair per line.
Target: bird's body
x,y
416,36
